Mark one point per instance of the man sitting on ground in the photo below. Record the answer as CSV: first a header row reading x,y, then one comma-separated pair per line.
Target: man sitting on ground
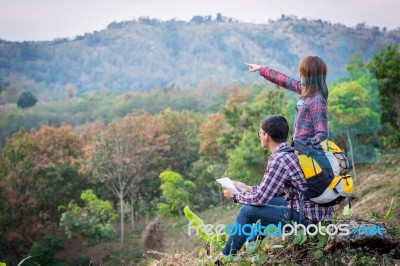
x,y
259,202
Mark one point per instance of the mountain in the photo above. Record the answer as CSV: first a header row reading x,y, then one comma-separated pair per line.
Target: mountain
x,y
142,54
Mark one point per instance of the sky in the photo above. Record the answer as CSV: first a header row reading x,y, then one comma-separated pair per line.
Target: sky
x,y
37,20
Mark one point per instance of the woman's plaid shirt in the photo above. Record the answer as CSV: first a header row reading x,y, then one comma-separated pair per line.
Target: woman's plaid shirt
x,y
311,118
283,167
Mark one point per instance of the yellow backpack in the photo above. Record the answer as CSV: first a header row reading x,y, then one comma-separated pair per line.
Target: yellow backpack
x,y
326,169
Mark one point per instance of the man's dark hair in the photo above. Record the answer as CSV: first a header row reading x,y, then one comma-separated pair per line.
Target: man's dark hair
x,y
276,126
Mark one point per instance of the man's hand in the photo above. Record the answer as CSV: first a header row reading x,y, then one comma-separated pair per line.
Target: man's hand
x,y
253,67
228,192
243,186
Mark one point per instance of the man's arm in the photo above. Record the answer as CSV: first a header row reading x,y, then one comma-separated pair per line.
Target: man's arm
x,y
272,182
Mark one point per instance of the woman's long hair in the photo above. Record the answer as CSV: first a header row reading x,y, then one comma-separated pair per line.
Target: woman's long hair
x,y
313,76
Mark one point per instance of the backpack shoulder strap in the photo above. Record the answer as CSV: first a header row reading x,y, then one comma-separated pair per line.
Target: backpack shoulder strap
x,y
291,197
307,147
288,149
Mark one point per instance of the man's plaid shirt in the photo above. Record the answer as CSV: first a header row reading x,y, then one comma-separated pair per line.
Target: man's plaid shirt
x,y
283,167
311,118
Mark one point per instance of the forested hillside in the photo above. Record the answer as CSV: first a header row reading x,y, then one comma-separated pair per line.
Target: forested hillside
x,y
138,120
147,53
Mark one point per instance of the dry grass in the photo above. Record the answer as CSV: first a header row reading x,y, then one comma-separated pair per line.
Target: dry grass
x,y
377,184
177,259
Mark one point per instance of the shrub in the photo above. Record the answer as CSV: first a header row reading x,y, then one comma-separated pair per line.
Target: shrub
x,y
26,100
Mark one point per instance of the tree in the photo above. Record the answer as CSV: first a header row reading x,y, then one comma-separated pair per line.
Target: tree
x,y
210,136
70,89
19,222
26,100
43,251
57,152
38,172
2,86
175,191
182,129
349,104
386,67
246,158
93,221
156,144
212,162
121,155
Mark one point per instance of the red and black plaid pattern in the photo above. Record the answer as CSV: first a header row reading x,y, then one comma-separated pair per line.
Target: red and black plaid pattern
x,y
311,117
283,167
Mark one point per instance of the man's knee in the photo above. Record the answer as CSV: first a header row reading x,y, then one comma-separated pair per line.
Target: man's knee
x,y
245,210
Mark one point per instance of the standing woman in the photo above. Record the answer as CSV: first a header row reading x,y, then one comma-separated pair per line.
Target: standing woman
x,y
311,118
